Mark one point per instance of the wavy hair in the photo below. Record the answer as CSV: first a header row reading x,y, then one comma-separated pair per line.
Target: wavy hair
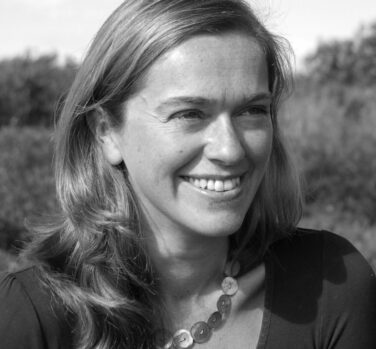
x,y
92,255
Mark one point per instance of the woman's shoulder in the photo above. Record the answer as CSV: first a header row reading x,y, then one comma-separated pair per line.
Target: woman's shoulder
x,y
302,236
21,281
321,280
19,323
15,288
30,317
22,286
322,254
324,245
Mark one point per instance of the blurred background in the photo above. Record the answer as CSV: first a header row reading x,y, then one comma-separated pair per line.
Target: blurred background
x,y
329,121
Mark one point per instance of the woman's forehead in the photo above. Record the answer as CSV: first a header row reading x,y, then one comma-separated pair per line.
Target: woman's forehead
x,y
206,66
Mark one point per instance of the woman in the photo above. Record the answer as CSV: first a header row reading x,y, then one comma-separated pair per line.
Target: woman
x,y
178,201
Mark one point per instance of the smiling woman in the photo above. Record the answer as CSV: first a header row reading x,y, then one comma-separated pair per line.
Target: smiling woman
x,y
179,204
196,121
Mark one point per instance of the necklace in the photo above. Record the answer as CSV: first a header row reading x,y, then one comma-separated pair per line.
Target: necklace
x,y
201,331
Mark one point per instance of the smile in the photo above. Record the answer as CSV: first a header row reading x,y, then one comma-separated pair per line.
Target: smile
x,y
214,184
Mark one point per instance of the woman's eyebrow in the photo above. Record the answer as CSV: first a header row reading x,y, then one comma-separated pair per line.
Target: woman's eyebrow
x,y
178,101
174,102
263,96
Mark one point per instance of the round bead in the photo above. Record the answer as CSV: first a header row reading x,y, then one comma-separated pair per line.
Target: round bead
x,y
200,332
215,320
163,339
224,303
182,339
229,285
232,269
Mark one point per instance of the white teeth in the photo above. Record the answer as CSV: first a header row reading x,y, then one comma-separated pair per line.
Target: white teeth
x,y
218,186
203,183
211,184
228,184
215,184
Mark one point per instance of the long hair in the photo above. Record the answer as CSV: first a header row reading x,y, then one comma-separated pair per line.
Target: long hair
x,y
92,256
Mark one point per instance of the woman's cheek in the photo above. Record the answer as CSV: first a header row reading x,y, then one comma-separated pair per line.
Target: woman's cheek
x,y
259,144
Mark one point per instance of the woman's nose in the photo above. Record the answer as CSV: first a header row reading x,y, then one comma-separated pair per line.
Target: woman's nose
x,y
224,143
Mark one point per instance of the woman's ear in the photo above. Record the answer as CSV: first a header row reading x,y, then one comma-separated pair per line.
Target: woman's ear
x,y
106,135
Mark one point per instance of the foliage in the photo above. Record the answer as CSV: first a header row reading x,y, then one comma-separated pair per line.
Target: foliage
x,y
30,89
350,62
26,181
332,134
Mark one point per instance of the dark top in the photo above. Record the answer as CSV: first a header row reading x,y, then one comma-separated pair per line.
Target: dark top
x,y
320,293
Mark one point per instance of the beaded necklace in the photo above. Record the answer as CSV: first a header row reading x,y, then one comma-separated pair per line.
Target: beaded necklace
x,y
201,331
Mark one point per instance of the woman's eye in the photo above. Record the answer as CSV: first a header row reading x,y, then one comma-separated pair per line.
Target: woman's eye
x,y
188,115
257,110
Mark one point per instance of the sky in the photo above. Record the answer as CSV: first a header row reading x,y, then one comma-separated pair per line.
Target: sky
x,y
67,26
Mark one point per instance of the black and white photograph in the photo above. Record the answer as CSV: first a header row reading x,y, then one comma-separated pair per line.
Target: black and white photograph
x,y
192,174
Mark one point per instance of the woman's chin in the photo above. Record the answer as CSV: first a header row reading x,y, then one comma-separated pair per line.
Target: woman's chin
x,y
218,228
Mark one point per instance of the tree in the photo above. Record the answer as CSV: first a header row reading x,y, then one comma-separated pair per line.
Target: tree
x,y
348,62
30,89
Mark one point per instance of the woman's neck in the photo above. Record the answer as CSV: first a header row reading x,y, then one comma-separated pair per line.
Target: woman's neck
x,y
187,265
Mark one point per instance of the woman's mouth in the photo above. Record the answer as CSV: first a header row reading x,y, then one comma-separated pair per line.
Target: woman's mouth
x,y
212,184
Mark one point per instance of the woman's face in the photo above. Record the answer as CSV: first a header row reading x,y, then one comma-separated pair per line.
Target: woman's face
x,y
197,136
